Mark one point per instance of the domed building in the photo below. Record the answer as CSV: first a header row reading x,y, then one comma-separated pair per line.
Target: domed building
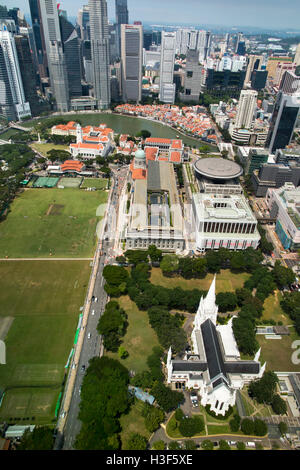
x,y
138,166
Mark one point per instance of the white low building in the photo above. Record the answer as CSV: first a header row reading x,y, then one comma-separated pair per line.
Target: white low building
x,y
213,366
224,221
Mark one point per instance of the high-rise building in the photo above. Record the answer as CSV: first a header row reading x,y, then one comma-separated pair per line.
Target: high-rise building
x,y
297,56
204,44
283,121
254,63
122,12
246,109
38,37
55,54
192,77
131,60
71,50
122,17
13,103
28,73
100,52
84,22
290,83
166,86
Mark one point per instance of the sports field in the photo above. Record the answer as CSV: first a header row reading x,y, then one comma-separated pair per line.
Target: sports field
x,y
43,298
51,222
98,183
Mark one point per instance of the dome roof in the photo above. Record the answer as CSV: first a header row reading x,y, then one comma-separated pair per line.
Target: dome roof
x,y
140,154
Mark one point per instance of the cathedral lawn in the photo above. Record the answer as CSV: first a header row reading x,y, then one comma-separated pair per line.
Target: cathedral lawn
x,y
133,422
272,309
139,339
226,281
282,360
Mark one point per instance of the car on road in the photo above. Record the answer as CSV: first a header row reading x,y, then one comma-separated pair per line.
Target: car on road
x,y
96,299
89,335
93,312
83,368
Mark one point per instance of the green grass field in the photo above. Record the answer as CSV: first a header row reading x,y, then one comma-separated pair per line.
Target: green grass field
x,y
273,310
139,339
98,183
226,281
44,148
51,222
44,298
282,359
133,422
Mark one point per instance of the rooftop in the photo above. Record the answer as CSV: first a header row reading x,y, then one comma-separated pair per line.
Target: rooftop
x,y
217,168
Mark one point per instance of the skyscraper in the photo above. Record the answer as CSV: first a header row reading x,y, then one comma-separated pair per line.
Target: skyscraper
x,y
12,97
71,49
283,121
38,37
192,77
121,18
204,44
100,52
28,73
246,109
84,22
166,86
131,60
121,12
54,48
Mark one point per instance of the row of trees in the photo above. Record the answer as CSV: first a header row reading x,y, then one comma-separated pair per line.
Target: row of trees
x,y
104,398
17,157
112,325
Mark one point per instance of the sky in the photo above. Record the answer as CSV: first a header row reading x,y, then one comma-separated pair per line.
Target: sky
x,y
268,14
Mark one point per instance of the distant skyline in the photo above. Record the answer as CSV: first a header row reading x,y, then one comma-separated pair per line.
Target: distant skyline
x,y
267,14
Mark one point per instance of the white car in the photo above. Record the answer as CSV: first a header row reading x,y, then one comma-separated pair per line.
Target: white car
x,y
89,335
93,312
96,299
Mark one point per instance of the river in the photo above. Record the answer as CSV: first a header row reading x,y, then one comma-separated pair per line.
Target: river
x,y
122,124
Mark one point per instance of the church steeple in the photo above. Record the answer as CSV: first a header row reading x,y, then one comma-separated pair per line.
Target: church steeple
x,y
207,307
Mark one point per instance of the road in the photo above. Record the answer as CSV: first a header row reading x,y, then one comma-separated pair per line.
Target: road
x,y
92,341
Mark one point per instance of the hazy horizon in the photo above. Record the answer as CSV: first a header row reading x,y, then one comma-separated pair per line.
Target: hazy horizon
x,y
231,13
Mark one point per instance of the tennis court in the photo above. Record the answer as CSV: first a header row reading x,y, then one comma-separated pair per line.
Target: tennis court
x,y
69,182
45,182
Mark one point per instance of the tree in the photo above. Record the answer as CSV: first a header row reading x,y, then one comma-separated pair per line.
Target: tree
x,y
159,445
190,426
40,438
223,445
240,445
136,442
260,427
263,389
166,398
169,264
136,256
190,444
115,275
247,426
226,301
234,423
122,353
279,405
282,428
174,445
154,253
282,276
153,417
207,445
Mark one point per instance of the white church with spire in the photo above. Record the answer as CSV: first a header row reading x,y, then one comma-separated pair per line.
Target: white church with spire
x,y
213,366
